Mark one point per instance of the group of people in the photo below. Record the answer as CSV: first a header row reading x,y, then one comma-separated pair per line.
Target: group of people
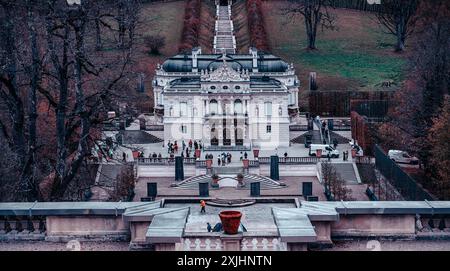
x,y
186,149
224,158
155,156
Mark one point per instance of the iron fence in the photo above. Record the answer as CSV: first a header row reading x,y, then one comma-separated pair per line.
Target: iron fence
x,y
404,183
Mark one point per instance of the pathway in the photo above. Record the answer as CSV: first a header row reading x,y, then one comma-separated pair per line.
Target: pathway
x,y
224,40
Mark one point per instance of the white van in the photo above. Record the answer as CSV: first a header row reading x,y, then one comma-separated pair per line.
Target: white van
x,y
402,157
326,150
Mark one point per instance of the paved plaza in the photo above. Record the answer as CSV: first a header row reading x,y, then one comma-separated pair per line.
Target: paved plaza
x,y
292,189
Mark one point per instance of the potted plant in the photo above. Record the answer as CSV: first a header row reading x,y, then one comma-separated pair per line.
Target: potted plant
x,y
230,221
256,153
215,180
246,163
209,163
240,179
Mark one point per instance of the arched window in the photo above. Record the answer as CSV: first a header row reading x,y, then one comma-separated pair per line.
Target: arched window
x,y
238,106
213,107
268,108
183,109
291,98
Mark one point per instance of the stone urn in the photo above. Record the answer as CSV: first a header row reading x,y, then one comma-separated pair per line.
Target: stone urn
x,y
246,163
135,154
240,179
230,221
209,163
319,153
256,153
215,180
197,153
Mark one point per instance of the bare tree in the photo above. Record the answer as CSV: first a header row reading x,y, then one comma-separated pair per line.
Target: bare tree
x,y
334,183
398,18
127,19
124,185
49,55
316,13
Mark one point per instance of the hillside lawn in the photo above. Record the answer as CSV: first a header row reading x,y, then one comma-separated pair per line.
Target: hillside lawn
x,y
157,18
356,56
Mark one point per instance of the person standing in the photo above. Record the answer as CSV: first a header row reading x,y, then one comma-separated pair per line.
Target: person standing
x,y
203,206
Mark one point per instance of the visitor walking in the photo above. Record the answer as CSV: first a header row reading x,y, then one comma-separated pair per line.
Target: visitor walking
x,y
195,145
203,206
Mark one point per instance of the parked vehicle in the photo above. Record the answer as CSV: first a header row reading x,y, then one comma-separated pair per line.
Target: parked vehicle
x,y
326,150
402,157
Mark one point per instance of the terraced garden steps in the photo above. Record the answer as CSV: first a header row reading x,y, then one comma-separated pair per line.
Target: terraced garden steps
x,y
265,182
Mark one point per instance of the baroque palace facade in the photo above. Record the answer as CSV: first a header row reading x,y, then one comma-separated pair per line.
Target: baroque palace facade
x,y
235,100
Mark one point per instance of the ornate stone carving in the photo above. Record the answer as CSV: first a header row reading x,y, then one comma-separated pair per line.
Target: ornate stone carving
x,y
224,74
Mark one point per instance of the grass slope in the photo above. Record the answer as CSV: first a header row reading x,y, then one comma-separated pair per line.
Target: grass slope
x,y
356,56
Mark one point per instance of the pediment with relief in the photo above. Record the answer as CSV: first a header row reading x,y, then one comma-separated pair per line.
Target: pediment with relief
x,y
225,73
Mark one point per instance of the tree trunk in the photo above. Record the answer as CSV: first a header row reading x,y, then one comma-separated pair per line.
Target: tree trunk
x,y
29,167
400,33
98,35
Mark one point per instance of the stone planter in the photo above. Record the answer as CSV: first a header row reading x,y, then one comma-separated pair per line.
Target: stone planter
x,y
209,163
246,163
319,153
215,181
197,153
256,153
240,179
230,221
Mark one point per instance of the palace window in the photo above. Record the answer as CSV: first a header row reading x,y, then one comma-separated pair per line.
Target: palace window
x,y
213,107
183,129
268,108
238,106
183,109
269,129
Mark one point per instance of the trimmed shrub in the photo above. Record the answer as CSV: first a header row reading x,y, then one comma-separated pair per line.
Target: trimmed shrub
x,y
191,26
258,36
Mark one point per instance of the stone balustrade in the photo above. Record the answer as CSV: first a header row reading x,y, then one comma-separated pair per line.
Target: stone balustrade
x,y
152,225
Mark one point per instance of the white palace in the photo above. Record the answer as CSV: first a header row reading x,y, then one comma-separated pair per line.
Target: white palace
x,y
226,100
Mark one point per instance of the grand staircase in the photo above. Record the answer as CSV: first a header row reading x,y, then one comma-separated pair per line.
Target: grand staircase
x,y
265,182
224,39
